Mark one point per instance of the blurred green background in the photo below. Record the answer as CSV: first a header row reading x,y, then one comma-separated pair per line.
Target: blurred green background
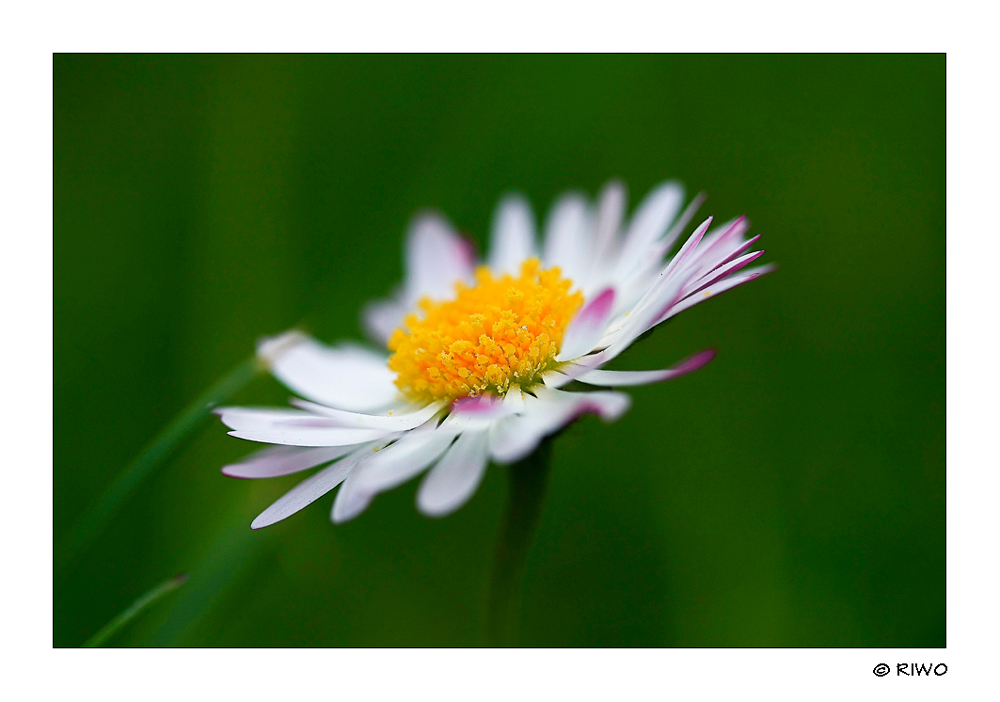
x,y
792,493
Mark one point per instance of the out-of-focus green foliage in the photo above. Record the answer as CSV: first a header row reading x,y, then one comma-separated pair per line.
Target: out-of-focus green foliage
x,y
792,493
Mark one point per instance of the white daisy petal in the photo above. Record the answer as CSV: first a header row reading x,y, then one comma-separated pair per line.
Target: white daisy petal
x,y
348,377
513,401
682,221
610,211
312,437
382,317
587,327
631,378
717,244
292,427
606,404
660,296
689,246
648,224
436,258
513,237
350,501
309,490
257,418
283,460
726,270
514,437
399,462
557,378
394,421
713,290
569,239
389,467
451,483
641,319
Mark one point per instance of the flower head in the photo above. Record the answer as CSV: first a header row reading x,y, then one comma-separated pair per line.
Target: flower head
x,y
478,355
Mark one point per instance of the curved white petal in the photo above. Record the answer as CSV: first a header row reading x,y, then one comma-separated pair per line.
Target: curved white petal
x,y
396,464
348,377
587,327
390,467
720,245
451,483
610,212
513,400
312,436
640,319
393,421
713,290
309,490
350,501
725,270
557,378
513,235
436,258
632,378
688,248
666,290
682,221
514,437
569,239
292,427
648,224
283,460
257,418
382,317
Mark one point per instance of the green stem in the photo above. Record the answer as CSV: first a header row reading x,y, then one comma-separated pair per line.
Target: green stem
x,y
529,481
94,520
133,611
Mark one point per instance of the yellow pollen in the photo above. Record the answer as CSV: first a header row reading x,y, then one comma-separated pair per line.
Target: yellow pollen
x,y
501,331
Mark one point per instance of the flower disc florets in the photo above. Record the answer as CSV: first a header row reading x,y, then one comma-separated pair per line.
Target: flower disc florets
x,y
500,332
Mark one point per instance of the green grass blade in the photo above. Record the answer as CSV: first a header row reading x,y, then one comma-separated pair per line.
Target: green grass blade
x,y
108,630
93,522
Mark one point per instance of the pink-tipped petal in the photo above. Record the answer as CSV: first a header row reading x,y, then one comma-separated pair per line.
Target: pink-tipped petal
x,y
682,221
631,378
689,246
726,270
713,291
587,327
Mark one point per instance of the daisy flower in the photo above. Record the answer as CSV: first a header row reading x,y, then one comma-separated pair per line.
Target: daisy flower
x,y
474,358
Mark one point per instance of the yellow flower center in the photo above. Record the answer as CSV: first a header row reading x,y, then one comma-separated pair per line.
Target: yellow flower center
x,y
500,332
